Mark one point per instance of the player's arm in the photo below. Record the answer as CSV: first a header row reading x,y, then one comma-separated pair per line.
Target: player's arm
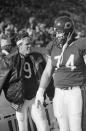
x,y
45,79
47,74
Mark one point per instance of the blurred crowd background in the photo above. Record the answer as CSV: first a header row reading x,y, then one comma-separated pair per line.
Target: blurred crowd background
x,y
37,16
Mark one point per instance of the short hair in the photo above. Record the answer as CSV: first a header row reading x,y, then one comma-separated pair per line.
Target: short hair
x,y
23,35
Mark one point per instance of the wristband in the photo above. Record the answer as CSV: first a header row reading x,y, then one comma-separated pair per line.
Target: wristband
x,y
41,90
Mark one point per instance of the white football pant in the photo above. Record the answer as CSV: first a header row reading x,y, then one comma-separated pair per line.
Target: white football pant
x,y
38,115
67,105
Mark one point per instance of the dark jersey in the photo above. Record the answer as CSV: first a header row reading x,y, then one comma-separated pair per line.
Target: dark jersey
x,y
72,70
24,76
13,84
33,68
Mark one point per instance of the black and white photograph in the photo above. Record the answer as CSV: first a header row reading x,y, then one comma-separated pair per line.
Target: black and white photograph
x,y
42,65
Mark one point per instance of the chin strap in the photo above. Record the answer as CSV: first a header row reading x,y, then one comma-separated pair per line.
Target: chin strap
x,y
60,57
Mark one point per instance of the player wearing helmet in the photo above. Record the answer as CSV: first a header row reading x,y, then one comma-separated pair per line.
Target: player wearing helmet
x,y
63,28
66,64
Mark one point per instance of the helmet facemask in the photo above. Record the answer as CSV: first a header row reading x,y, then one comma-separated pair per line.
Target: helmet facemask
x,y
63,29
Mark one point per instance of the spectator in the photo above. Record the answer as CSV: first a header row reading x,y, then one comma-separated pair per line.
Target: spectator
x,y
6,45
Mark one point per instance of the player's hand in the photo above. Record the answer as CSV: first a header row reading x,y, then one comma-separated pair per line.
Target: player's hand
x,y
39,97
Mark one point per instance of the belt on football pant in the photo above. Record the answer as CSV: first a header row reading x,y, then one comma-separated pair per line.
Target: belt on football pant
x,y
68,88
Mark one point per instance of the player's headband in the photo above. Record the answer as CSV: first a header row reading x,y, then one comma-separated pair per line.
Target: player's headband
x,y
19,42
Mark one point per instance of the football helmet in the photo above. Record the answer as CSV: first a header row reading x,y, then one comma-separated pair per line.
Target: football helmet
x,y
63,29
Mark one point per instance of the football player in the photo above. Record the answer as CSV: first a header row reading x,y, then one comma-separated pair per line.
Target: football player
x,y
30,82
66,64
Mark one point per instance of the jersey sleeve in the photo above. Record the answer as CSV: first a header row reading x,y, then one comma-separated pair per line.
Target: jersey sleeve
x,y
81,43
5,67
